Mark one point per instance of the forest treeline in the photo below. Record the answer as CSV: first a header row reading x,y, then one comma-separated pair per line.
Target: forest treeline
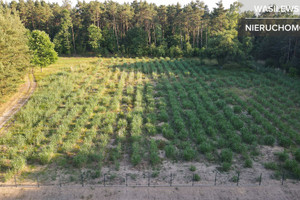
x,y
145,29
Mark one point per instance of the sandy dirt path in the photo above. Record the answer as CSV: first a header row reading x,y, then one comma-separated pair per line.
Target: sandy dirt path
x,y
165,193
16,102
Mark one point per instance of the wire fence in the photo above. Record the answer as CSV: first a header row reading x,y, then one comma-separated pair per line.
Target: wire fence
x,y
151,179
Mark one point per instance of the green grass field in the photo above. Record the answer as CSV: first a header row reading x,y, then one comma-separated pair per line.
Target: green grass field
x,y
92,114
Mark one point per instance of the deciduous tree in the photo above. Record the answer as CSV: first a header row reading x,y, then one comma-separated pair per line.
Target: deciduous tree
x,y
42,49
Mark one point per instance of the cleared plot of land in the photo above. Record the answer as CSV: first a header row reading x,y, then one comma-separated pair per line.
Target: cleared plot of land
x,y
129,116
209,193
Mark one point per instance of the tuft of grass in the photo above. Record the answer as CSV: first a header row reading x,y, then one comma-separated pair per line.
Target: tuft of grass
x,y
248,163
234,179
196,177
192,168
226,166
271,165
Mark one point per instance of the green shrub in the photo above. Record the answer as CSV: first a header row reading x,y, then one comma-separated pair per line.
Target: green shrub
x,y
211,131
248,163
151,129
136,125
282,156
122,123
297,154
96,174
179,124
126,99
293,167
200,137
237,109
269,140
296,172
209,156
95,157
151,117
226,155
248,137
183,134
237,123
196,177
284,141
271,165
192,168
18,163
155,174
238,147
255,151
45,156
108,129
234,179
221,103
163,116
221,143
171,151
290,165
257,130
136,154
168,132
130,89
226,166
154,158
175,51
80,159
189,153
205,147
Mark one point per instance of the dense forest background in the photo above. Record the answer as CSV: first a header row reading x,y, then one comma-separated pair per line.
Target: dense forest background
x,y
145,29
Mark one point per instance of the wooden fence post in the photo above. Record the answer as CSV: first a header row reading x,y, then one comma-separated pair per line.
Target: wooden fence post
x,y
15,180
148,179
260,178
126,180
238,179
104,180
216,178
60,181
193,178
37,181
81,176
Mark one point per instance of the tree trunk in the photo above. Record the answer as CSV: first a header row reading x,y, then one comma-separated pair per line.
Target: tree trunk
x,y
98,24
116,35
154,35
194,37
295,47
288,51
149,37
201,40
32,21
73,38
198,33
180,39
206,38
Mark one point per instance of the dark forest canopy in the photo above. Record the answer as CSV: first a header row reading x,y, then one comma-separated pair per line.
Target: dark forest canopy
x,y
145,29
14,53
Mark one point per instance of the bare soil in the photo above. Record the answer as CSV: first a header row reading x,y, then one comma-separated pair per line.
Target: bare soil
x,y
132,193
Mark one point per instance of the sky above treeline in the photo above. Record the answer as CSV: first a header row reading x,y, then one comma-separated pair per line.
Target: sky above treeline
x,y
210,3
